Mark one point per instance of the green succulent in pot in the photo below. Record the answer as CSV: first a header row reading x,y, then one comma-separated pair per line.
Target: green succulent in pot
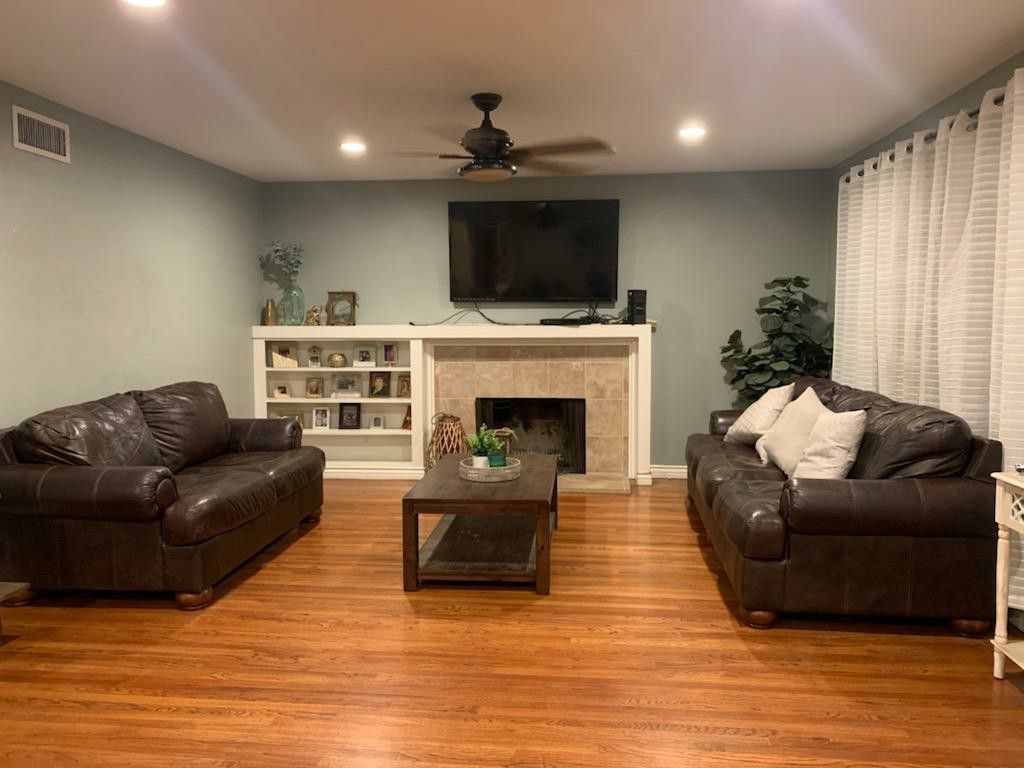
x,y
484,444
798,341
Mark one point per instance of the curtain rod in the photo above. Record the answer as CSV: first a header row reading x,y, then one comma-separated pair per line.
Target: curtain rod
x,y
928,138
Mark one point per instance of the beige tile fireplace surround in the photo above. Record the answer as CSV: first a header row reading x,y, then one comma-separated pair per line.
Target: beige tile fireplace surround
x,y
597,373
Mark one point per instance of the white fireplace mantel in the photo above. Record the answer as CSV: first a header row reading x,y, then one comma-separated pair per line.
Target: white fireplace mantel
x,y
421,341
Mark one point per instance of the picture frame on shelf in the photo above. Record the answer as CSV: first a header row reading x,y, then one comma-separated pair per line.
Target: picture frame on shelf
x,y
283,355
283,413
380,384
365,356
281,391
314,386
390,354
345,386
341,307
376,422
350,416
313,360
404,385
321,418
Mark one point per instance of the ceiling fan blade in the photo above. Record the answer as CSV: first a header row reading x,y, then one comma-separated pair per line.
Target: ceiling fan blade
x,y
450,133
554,166
580,146
431,155
456,157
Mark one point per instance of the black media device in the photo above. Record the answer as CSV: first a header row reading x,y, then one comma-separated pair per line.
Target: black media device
x,y
636,306
534,251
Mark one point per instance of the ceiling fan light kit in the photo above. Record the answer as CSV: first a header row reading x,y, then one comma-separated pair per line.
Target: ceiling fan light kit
x,y
492,157
487,170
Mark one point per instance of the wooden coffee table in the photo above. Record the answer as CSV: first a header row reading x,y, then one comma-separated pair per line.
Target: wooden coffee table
x,y
497,532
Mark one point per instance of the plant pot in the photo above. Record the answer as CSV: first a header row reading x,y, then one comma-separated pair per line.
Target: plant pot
x,y
481,461
496,459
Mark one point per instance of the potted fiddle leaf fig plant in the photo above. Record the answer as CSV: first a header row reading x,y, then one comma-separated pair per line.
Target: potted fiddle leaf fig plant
x,y
797,341
486,448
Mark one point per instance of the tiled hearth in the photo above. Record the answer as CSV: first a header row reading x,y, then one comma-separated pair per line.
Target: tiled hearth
x,y
597,373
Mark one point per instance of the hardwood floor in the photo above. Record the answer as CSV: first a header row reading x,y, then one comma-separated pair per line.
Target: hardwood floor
x,y
314,656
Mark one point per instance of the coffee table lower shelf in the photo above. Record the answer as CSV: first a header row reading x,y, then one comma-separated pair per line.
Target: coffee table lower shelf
x,y
486,548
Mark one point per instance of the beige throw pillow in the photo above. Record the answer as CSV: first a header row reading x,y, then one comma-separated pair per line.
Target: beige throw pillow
x,y
759,416
785,442
833,445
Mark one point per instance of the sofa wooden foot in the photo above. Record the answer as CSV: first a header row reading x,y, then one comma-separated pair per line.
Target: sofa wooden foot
x,y
970,627
21,597
193,601
758,619
313,517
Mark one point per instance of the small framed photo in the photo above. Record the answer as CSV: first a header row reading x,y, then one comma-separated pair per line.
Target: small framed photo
x,y
365,357
380,384
341,307
345,386
404,388
282,355
376,422
315,386
390,354
283,413
281,392
321,418
349,415
314,357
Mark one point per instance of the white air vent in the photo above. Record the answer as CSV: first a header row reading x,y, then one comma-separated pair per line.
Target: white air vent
x,y
41,135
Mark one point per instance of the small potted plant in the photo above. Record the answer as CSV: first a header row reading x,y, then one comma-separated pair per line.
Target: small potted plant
x,y
486,448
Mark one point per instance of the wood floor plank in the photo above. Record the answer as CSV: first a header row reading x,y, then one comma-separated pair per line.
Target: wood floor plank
x,y
314,656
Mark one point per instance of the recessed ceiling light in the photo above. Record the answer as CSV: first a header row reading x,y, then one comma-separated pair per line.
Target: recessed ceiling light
x,y
353,147
146,3
691,134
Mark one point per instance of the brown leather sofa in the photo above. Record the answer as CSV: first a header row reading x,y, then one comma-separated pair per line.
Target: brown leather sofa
x,y
149,491
909,533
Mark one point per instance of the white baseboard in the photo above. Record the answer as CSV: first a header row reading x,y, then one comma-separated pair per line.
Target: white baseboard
x,y
368,473
669,471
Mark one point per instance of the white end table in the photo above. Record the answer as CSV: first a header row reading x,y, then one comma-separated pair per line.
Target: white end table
x,y
1010,517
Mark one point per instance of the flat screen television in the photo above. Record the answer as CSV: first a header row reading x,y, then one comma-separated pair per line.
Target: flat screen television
x,y
533,251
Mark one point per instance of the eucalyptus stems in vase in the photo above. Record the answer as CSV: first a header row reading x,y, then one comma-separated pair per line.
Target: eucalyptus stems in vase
x,y
280,265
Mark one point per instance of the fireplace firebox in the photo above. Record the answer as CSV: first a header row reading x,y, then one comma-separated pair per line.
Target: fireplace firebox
x,y
545,425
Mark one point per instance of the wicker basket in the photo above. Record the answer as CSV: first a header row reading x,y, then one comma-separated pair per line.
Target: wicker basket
x,y
490,474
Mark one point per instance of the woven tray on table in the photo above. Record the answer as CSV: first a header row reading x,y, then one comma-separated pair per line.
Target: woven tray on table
x,y
490,474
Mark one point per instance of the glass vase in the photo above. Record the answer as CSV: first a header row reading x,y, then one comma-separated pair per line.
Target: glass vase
x,y
291,309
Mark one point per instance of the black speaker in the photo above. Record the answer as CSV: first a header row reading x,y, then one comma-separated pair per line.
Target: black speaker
x,y
636,306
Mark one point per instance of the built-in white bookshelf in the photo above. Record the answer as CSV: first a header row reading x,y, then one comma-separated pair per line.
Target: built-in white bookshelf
x,y
381,445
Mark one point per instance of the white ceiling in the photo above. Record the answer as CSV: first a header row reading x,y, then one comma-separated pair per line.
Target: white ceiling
x,y
269,88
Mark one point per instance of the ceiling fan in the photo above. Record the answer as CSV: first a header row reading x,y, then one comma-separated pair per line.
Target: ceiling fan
x,y
492,154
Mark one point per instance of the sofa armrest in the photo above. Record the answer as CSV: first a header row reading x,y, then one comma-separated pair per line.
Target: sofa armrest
x,y
951,507
720,421
100,493
264,435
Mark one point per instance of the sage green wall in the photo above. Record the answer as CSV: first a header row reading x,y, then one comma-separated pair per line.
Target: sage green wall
x,y
130,267
701,244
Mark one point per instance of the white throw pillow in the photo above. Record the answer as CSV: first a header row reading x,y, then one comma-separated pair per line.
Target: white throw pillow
x,y
759,416
785,442
833,445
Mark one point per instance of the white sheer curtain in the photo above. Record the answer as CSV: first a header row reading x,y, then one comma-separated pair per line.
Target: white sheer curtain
x,y
930,272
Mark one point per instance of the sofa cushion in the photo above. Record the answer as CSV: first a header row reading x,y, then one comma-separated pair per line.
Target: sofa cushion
x,y
214,500
289,470
759,416
832,447
904,440
103,433
784,443
747,511
188,420
735,461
